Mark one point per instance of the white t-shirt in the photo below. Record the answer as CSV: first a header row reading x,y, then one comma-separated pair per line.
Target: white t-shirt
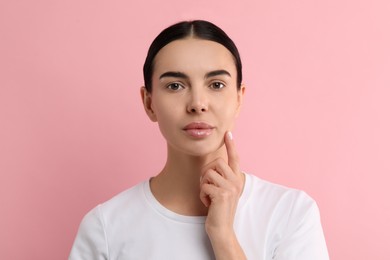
x,y
271,222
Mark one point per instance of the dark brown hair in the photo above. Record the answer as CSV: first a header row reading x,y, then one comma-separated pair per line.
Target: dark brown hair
x,y
199,29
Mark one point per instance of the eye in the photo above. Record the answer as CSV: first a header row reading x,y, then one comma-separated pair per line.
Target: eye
x,y
175,86
217,85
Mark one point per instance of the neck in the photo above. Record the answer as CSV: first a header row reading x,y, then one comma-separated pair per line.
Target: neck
x,y
177,186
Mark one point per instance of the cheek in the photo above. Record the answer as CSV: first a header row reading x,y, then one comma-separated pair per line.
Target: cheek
x,y
166,114
230,112
228,107
227,116
165,123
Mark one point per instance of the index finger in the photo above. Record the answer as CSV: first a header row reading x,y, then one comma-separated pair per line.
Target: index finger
x,y
233,160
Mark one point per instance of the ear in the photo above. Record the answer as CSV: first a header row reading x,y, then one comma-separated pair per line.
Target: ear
x,y
240,97
147,101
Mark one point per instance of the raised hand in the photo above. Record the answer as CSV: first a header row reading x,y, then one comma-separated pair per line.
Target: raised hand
x,y
221,185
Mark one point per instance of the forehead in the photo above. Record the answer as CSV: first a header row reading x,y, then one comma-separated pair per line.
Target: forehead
x,y
193,55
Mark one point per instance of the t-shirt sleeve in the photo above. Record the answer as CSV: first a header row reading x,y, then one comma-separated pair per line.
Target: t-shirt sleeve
x,y
90,242
304,239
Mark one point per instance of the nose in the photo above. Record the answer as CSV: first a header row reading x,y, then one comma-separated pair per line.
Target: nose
x,y
198,102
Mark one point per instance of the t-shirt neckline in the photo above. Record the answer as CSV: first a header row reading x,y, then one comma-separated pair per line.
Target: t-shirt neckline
x,y
167,213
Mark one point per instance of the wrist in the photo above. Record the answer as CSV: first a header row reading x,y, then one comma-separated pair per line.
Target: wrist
x,y
225,245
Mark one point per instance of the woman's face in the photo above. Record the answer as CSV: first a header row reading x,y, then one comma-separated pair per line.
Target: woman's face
x,y
194,98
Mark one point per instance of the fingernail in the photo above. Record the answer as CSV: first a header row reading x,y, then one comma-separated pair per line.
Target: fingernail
x,y
230,135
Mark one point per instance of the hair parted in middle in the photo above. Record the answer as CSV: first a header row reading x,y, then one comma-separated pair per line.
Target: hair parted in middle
x,y
197,29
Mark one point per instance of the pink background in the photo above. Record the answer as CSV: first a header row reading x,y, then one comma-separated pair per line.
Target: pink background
x,y
73,132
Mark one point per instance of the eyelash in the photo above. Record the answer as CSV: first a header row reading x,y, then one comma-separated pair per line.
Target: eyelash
x,y
174,84
221,85
217,85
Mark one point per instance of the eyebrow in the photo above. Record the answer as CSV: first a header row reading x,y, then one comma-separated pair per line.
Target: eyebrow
x,y
177,74
217,73
174,74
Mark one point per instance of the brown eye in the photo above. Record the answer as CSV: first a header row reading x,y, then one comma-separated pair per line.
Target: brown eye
x,y
217,85
174,86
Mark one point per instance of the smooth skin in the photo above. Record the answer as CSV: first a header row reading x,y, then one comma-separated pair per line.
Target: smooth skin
x,y
194,80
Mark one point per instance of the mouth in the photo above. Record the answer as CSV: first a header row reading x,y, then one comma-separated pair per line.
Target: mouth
x,y
198,129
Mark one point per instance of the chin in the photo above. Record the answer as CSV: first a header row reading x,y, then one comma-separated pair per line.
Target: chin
x,y
204,150
197,148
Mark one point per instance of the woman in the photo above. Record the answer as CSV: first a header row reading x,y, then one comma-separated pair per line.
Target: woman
x,y
201,205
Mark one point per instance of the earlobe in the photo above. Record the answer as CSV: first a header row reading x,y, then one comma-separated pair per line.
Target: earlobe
x,y
147,102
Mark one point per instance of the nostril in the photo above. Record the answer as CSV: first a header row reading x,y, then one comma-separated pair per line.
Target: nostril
x,y
197,109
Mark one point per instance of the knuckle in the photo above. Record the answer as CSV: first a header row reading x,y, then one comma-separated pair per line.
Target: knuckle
x,y
207,173
204,186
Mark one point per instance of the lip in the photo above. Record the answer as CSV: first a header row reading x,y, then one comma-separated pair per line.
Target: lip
x,y
198,129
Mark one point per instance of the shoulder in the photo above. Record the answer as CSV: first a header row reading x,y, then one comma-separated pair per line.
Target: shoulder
x,y
288,218
262,189
120,205
279,200
92,237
